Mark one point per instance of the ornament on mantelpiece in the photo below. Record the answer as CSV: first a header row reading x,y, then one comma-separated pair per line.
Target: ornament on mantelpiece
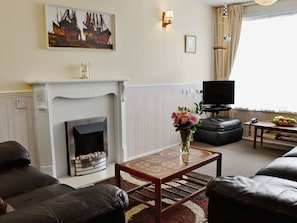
x,y
84,71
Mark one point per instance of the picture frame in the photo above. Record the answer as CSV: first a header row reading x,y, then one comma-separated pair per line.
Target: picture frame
x,y
79,28
190,44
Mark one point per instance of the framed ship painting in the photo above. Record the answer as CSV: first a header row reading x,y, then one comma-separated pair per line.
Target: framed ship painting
x,y
76,28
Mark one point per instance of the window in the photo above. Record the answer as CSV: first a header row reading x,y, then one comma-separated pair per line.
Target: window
x,y
265,68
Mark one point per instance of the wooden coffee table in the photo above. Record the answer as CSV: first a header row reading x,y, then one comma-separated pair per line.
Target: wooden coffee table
x,y
167,174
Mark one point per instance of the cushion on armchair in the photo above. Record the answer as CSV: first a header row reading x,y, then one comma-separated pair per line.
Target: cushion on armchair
x,y
31,178
15,171
282,167
291,153
13,154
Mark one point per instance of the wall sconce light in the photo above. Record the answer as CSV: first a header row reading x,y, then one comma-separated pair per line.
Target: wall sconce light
x,y
265,2
167,18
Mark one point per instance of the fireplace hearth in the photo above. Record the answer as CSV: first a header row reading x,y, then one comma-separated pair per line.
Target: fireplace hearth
x,y
87,146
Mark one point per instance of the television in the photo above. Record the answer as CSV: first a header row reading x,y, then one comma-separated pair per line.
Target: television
x,y
218,93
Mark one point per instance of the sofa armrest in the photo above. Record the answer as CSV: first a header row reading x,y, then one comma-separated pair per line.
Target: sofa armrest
x,y
242,199
13,154
100,203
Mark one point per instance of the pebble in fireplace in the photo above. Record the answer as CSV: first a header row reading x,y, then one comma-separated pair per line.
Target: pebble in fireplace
x,y
86,145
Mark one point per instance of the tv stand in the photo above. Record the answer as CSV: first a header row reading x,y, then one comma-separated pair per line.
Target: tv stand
x,y
216,109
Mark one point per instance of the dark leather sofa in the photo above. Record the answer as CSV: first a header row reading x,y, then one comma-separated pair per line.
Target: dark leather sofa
x,y
268,197
37,197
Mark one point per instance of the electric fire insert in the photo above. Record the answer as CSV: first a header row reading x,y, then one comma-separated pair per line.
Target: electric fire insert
x,y
86,145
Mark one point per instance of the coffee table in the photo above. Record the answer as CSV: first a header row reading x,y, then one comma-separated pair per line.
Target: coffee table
x,y
167,169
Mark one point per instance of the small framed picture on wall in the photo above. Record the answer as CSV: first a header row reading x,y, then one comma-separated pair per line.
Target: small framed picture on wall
x,y
190,44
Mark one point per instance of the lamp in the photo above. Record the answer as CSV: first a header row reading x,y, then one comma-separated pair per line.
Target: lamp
x,y
167,18
265,2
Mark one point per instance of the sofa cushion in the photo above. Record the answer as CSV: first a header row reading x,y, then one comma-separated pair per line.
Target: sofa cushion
x,y
13,154
282,167
100,203
291,153
22,179
289,184
38,195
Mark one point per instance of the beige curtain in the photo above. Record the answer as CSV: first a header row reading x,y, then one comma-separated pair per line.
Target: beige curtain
x,y
224,50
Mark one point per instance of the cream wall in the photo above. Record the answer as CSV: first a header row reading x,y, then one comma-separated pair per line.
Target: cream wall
x,y
145,52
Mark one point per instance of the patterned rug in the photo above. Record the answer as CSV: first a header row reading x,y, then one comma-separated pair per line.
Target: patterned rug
x,y
192,211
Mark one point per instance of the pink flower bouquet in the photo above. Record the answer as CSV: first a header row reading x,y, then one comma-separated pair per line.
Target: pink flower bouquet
x,y
185,119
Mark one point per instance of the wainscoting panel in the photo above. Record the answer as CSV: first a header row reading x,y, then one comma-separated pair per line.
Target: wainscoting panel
x,y
149,109
148,117
17,121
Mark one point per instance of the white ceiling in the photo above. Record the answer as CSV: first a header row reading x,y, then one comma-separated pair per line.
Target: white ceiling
x,y
221,2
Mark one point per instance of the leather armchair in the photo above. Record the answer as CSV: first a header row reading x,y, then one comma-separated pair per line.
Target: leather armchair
x,y
38,197
268,197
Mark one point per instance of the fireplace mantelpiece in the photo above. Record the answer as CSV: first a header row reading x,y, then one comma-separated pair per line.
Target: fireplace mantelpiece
x,y
58,101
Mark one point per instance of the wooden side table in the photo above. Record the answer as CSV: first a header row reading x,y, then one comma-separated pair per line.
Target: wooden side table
x,y
262,125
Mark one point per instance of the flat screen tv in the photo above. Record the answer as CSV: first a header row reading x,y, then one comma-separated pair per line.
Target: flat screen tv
x,y
218,93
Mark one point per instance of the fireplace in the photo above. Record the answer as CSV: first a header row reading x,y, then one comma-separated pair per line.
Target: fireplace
x,y
56,102
87,146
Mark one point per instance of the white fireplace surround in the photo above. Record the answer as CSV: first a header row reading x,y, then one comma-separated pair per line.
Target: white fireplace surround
x,y
58,101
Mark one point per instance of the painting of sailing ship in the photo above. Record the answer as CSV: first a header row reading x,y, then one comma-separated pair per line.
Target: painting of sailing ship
x,y
68,27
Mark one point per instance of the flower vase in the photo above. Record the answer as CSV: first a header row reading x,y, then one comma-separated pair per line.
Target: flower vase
x,y
185,138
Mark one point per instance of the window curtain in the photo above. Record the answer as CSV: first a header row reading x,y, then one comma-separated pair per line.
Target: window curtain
x,y
224,50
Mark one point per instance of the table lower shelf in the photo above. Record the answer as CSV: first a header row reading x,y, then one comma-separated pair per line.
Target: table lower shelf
x,y
174,192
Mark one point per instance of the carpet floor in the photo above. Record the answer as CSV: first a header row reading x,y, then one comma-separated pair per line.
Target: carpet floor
x,y
240,158
192,211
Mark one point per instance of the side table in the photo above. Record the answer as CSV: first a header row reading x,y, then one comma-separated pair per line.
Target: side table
x,y
266,125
